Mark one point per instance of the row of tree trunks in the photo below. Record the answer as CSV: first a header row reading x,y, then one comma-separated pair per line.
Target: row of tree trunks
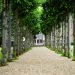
x,y
23,39
19,46
60,38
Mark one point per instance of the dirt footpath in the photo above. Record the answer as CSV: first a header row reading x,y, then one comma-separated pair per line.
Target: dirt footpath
x,y
40,61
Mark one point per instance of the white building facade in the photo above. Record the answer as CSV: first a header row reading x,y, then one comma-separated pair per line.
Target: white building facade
x,y
40,39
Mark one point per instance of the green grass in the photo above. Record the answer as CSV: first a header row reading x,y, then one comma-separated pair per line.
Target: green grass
x,y
62,53
13,59
0,53
73,58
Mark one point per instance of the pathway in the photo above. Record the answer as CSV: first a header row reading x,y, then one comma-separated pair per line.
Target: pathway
x,y
40,61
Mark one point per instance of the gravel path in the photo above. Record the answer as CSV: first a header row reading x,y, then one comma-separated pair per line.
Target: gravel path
x,y
40,61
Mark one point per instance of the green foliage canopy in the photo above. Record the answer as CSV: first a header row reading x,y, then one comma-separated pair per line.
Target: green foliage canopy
x,y
55,11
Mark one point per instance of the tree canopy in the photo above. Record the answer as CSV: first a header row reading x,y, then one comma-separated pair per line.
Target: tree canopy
x,y
55,11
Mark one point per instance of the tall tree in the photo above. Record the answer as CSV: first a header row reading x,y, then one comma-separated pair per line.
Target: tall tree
x,y
5,32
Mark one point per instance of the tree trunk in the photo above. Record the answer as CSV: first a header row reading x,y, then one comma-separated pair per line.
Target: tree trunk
x,y
15,41
9,35
74,37
5,32
17,32
54,37
69,36
62,37
65,44
51,38
16,35
48,40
